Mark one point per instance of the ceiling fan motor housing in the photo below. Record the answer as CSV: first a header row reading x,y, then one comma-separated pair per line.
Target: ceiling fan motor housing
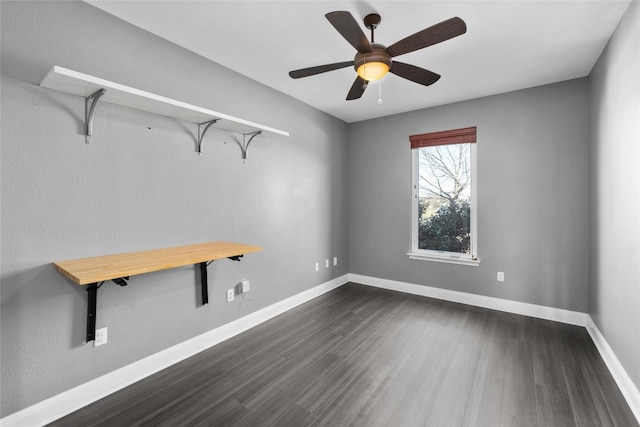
x,y
378,54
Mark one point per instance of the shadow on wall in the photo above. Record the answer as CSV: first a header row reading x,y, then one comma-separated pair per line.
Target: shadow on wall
x,y
35,296
39,290
24,69
52,98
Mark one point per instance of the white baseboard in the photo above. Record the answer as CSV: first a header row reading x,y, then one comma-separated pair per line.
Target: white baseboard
x,y
71,400
532,310
619,374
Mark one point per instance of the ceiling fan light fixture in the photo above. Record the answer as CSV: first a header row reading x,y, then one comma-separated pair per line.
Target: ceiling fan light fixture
x,y
374,65
372,71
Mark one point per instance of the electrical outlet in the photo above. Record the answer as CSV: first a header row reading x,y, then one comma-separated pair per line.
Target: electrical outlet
x,y
230,295
317,266
335,260
326,263
500,276
101,337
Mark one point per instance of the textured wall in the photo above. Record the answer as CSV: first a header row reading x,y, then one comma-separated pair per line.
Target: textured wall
x,y
532,188
615,193
141,185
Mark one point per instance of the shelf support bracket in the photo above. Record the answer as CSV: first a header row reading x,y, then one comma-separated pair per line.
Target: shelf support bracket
x,y
201,133
245,144
90,103
204,283
92,296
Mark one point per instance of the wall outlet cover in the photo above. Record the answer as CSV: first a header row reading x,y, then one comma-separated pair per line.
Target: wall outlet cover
x,y
101,337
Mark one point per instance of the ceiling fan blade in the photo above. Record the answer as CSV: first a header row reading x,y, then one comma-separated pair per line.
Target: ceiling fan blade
x,y
350,30
357,89
413,73
429,36
311,71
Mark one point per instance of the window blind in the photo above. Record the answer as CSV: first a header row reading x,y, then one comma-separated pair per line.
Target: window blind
x,y
454,136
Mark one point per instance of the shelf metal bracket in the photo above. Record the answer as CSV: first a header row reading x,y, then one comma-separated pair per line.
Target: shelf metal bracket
x,y
92,299
245,144
90,103
203,277
204,283
121,281
201,133
92,296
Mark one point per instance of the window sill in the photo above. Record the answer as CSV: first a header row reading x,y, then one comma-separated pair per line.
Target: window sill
x,y
444,258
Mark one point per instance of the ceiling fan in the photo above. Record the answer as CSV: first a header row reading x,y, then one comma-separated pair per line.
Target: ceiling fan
x,y
373,60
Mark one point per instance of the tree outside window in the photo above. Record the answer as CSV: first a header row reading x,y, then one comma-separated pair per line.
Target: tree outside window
x,y
444,197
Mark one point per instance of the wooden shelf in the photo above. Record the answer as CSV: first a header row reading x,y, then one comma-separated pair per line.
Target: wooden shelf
x,y
87,86
94,271
85,271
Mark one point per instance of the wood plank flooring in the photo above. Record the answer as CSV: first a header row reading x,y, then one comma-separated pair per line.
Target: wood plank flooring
x,y
362,356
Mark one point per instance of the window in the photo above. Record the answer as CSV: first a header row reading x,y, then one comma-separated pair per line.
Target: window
x,y
444,202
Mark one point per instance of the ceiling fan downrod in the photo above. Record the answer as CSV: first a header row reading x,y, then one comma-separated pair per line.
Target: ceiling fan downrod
x,y
371,21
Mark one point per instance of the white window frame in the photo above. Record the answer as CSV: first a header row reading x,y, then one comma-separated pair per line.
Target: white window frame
x,y
444,256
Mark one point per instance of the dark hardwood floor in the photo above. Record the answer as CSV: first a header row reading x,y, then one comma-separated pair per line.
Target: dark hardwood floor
x,y
362,356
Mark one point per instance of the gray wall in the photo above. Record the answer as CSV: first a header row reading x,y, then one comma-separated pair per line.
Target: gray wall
x,y
615,193
141,185
532,195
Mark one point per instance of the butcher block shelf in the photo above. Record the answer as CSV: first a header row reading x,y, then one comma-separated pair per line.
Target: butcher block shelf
x,y
85,271
92,272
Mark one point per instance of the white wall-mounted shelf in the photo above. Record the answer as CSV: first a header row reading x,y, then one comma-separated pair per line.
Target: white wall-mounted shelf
x,y
94,89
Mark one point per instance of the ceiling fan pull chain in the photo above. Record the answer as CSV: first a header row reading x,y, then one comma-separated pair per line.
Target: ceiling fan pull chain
x,y
379,91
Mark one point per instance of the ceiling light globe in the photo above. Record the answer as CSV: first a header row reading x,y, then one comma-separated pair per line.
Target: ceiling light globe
x,y
372,71
373,65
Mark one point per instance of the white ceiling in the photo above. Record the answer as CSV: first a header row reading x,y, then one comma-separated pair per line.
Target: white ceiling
x,y
508,45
